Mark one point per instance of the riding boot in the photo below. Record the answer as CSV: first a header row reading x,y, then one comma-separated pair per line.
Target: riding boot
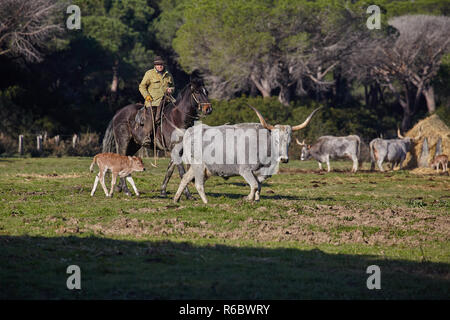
x,y
158,115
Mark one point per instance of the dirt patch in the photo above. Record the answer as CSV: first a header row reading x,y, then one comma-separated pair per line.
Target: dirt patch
x,y
314,225
49,176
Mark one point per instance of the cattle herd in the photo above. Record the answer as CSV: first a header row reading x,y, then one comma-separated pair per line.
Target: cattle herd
x,y
254,151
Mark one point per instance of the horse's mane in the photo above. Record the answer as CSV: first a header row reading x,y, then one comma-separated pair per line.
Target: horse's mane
x,y
183,91
197,82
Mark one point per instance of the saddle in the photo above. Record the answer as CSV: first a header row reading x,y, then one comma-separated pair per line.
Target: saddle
x,y
144,128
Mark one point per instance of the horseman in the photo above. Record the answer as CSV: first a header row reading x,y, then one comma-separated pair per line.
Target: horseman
x,y
156,83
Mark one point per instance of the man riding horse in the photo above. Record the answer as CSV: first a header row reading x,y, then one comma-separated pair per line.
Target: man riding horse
x,y
157,83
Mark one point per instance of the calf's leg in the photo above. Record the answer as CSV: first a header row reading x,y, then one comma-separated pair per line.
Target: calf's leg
x,y
102,182
130,180
113,182
95,185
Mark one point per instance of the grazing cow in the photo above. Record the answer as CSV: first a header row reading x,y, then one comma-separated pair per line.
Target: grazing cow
x,y
328,147
251,150
440,160
391,150
119,165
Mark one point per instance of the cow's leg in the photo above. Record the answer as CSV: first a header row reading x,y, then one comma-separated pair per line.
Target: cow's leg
x,y
181,172
320,165
130,180
95,185
102,182
328,163
380,164
200,178
355,164
254,184
169,173
188,177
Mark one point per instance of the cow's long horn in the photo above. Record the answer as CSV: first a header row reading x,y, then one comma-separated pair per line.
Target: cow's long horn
x,y
300,143
399,134
261,119
304,124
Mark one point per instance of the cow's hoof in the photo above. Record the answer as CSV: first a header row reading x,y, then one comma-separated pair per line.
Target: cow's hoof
x,y
163,194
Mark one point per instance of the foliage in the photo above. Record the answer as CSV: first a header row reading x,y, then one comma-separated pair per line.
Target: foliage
x,y
311,236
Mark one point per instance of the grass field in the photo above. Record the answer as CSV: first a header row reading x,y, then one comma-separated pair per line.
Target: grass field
x,y
312,235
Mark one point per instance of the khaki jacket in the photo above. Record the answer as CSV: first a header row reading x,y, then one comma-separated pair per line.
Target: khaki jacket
x,y
154,85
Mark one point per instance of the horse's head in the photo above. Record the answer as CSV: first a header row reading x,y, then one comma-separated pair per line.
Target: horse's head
x,y
200,96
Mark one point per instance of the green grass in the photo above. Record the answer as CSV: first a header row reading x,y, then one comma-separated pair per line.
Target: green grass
x,y
312,235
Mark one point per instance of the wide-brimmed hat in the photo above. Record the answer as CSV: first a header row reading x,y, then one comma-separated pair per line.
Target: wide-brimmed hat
x,y
158,60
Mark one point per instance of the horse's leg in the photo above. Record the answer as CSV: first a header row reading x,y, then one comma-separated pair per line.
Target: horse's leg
x,y
122,138
125,146
169,173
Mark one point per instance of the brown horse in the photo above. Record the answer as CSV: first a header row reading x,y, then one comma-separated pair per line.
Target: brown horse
x,y
125,135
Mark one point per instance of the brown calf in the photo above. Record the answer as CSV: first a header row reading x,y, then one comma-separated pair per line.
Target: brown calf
x,y
440,160
119,165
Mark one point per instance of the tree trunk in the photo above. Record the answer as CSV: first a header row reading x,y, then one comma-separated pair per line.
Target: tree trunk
x,y
366,95
429,97
115,80
285,96
262,85
406,105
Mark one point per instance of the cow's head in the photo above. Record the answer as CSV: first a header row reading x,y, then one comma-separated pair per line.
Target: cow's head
x,y
305,154
282,138
410,141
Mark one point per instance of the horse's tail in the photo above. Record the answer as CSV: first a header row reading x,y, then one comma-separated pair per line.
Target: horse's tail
x,y
109,145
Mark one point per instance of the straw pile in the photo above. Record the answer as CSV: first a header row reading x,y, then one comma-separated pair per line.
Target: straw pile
x,y
433,128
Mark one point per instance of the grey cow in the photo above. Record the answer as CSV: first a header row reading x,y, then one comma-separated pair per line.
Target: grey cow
x,y
327,147
251,150
391,150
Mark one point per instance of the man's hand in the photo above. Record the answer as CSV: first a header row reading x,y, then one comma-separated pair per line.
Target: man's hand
x,y
169,90
148,101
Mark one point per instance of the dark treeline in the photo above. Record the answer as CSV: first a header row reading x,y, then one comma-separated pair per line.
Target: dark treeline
x,y
284,57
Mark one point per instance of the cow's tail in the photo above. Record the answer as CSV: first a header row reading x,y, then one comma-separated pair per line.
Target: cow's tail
x,y
372,156
94,161
108,144
358,151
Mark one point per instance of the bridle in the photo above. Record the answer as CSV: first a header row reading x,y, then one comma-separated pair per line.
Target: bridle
x,y
199,104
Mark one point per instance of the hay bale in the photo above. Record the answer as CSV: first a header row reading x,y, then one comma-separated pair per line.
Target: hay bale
x,y
433,128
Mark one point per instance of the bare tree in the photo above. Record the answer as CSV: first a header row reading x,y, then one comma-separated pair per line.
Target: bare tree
x,y
404,61
27,26
417,53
